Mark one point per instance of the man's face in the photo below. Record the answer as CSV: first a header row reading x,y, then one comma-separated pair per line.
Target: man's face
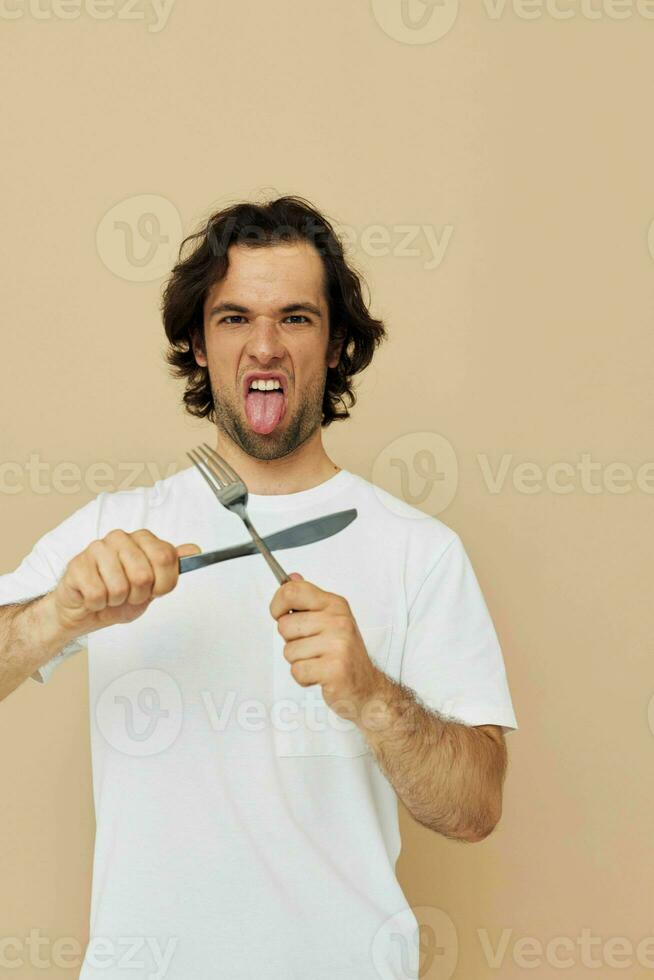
x,y
268,315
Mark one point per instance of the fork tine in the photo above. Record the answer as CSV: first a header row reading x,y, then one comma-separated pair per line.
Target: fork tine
x,y
218,480
232,493
230,471
200,464
220,464
192,456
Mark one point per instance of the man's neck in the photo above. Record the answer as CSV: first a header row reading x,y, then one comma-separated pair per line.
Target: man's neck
x,y
308,467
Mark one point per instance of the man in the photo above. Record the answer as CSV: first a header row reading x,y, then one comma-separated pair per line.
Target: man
x,y
247,760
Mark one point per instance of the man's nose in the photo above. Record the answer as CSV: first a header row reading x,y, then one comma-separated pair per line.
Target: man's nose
x,y
265,340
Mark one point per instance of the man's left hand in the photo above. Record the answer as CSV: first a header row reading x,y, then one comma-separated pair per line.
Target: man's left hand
x,y
324,645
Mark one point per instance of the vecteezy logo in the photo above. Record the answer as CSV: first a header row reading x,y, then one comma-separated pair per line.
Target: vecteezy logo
x,y
401,943
419,468
416,21
140,713
137,238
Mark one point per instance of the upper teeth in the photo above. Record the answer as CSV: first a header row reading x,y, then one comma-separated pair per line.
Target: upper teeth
x,y
267,384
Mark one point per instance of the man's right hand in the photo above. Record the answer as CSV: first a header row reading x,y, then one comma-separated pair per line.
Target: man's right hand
x,y
115,579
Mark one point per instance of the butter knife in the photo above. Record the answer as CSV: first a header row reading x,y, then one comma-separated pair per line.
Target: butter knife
x,y
292,537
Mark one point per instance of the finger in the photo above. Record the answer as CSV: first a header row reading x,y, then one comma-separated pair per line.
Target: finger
x,y
188,549
82,585
138,569
306,648
162,556
103,557
297,595
300,624
308,672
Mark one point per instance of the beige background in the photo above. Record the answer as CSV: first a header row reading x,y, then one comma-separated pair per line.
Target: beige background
x,y
524,144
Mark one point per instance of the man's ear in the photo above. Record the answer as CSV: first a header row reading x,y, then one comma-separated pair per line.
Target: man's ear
x,y
334,349
197,346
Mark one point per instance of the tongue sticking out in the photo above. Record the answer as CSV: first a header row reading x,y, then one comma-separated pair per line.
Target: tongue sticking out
x,y
264,410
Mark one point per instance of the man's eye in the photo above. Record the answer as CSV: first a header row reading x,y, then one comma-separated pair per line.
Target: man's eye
x,y
236,317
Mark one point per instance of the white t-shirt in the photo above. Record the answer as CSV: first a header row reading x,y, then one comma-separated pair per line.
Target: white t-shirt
x,y
243,828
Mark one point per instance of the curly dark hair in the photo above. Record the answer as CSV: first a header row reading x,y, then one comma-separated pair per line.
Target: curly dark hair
x,y
280,221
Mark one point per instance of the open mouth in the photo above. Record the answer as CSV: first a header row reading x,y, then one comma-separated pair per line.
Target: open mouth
x,y
265,404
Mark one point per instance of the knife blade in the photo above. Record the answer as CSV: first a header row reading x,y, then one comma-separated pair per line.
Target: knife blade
x,y
291,537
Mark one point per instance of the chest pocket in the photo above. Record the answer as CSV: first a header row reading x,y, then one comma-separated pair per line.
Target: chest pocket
x,y
303,723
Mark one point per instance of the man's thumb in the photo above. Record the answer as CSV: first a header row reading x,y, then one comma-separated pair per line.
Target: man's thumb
x,y
188,549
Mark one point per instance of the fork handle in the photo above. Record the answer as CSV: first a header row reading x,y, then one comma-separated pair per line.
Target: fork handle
x,y
276,568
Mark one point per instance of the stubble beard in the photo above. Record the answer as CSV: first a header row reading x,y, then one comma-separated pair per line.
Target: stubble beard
x,y
280,442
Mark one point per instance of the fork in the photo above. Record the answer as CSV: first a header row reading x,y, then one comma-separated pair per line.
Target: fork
x,y
232,494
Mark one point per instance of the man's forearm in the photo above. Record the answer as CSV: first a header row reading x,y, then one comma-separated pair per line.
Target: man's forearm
x,y
448,775
30,635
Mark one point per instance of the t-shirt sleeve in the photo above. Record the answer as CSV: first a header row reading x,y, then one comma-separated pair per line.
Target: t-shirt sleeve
x,y
40,570
452,657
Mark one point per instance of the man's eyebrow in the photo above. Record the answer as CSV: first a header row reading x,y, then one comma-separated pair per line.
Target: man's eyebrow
x,y
228,307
